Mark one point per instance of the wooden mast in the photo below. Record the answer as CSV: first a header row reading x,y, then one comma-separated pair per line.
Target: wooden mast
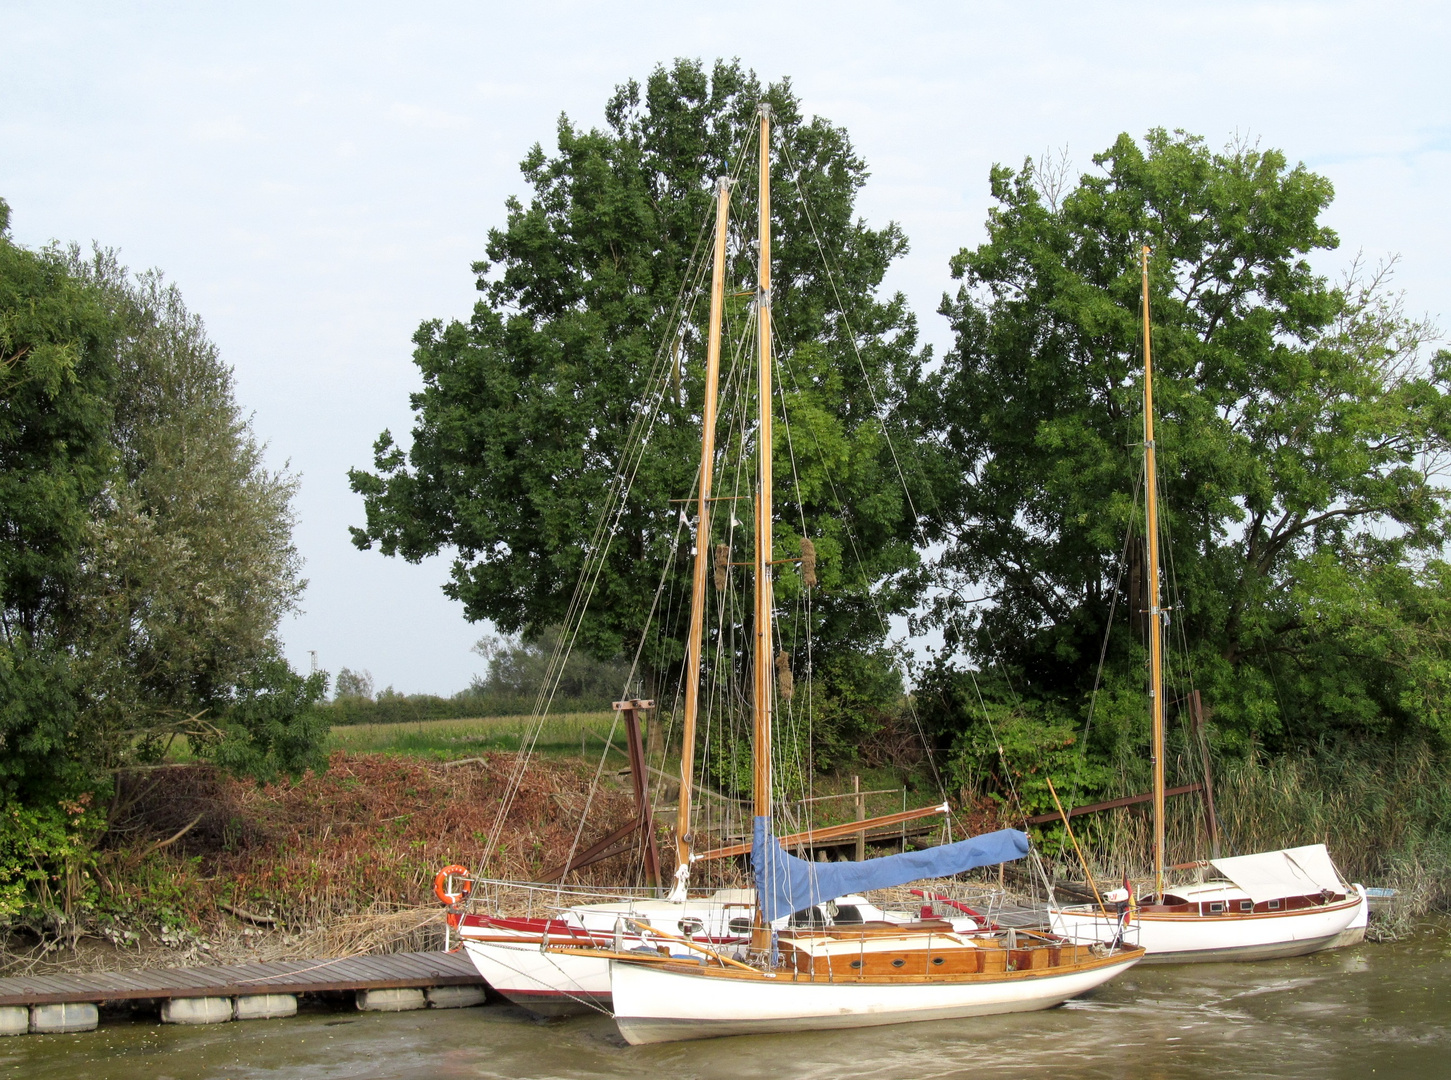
x,y
761,662
683,838
1156,622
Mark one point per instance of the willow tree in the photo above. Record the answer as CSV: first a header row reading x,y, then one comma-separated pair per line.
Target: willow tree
x,y
1301,429
189,565
586,296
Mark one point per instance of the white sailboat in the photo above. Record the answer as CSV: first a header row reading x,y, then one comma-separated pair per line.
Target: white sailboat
x,y
1276,903
560,964
851,976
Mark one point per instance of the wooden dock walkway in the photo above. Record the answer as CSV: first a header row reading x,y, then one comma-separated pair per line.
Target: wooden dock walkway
x,y
388,971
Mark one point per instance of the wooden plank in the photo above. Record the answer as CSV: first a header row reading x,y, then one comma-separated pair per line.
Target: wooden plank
x,y
830,832
1113,804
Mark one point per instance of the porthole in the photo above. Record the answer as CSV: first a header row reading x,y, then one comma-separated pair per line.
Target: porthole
x,y
1215,909
740,926
938,961
899,962
1246,905
690,927
1274,905
856,964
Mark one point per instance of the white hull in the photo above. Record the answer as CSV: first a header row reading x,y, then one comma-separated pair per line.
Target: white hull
x,y
1354,934
566,981
1170,938
656,1004
551,983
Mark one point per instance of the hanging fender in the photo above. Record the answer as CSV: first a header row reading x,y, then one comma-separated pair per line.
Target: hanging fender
x,y
440,885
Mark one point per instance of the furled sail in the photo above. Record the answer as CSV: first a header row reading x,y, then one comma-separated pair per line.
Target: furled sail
x,y
787,884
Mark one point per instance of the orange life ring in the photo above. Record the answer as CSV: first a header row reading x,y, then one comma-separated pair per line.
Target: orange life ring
x,y
440,885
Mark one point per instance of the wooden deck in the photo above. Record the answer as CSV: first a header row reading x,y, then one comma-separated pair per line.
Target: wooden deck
x,y
381,972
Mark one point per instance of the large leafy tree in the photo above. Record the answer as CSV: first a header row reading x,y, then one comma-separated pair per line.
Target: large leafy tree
x,y
145,550
1300,432
527,407
58,371
189,563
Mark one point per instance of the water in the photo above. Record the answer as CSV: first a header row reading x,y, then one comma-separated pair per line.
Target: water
x,y
1376,1010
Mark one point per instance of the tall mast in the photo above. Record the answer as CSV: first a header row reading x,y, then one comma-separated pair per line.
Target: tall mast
x,y
762,660
761,663
702,542
1156,623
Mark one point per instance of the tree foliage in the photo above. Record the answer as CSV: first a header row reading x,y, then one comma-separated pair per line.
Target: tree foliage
x,y
145,549
58,346
190,564
527,406
1300,435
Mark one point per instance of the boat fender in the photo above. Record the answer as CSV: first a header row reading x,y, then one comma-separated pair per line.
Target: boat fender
x,y
440,885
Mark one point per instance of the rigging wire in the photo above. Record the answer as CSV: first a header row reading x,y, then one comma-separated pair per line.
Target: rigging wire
x,y
608,520
833,274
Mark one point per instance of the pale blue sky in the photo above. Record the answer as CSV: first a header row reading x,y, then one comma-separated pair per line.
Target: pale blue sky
x,y
318,177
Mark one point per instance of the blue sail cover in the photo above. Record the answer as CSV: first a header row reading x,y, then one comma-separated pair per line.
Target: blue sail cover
x,y
786,884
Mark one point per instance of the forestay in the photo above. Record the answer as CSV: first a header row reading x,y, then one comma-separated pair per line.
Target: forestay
x,y
787,884
1274,875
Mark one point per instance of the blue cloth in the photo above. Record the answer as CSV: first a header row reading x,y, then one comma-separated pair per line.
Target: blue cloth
x,y
786,884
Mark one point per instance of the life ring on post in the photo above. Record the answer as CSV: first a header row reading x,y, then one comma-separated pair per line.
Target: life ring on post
x,y
440,885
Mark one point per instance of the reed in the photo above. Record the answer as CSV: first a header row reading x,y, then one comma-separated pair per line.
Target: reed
x,y
1383,811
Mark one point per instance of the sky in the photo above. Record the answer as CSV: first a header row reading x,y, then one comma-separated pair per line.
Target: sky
x,y
318,177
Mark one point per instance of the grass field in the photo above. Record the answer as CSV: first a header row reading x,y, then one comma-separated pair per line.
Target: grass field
x,y
446,739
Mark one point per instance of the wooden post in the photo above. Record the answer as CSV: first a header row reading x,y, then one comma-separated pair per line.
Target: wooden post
x,y
904,824
644,816
861,815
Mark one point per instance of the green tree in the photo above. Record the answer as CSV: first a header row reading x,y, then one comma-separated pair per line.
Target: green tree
x,y
190,563
518,669
145,550
57,377
527,407
1300,430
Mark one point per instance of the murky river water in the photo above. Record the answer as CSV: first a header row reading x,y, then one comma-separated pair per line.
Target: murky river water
x,y
1376,1010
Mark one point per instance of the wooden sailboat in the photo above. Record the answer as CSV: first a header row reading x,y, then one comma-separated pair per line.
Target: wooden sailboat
x,y
560,964
1278,903
842,976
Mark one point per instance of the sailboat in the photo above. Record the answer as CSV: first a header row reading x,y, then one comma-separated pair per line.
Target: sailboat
x,y
1276,903
559,964
839,976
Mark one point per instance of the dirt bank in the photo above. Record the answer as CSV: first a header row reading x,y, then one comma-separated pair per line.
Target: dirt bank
x,y
200,868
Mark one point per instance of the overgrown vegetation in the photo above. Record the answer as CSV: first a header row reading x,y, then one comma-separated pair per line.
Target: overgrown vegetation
x,y
145,561
193,852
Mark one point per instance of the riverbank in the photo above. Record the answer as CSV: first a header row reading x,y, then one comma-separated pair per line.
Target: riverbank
x,y
200,868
